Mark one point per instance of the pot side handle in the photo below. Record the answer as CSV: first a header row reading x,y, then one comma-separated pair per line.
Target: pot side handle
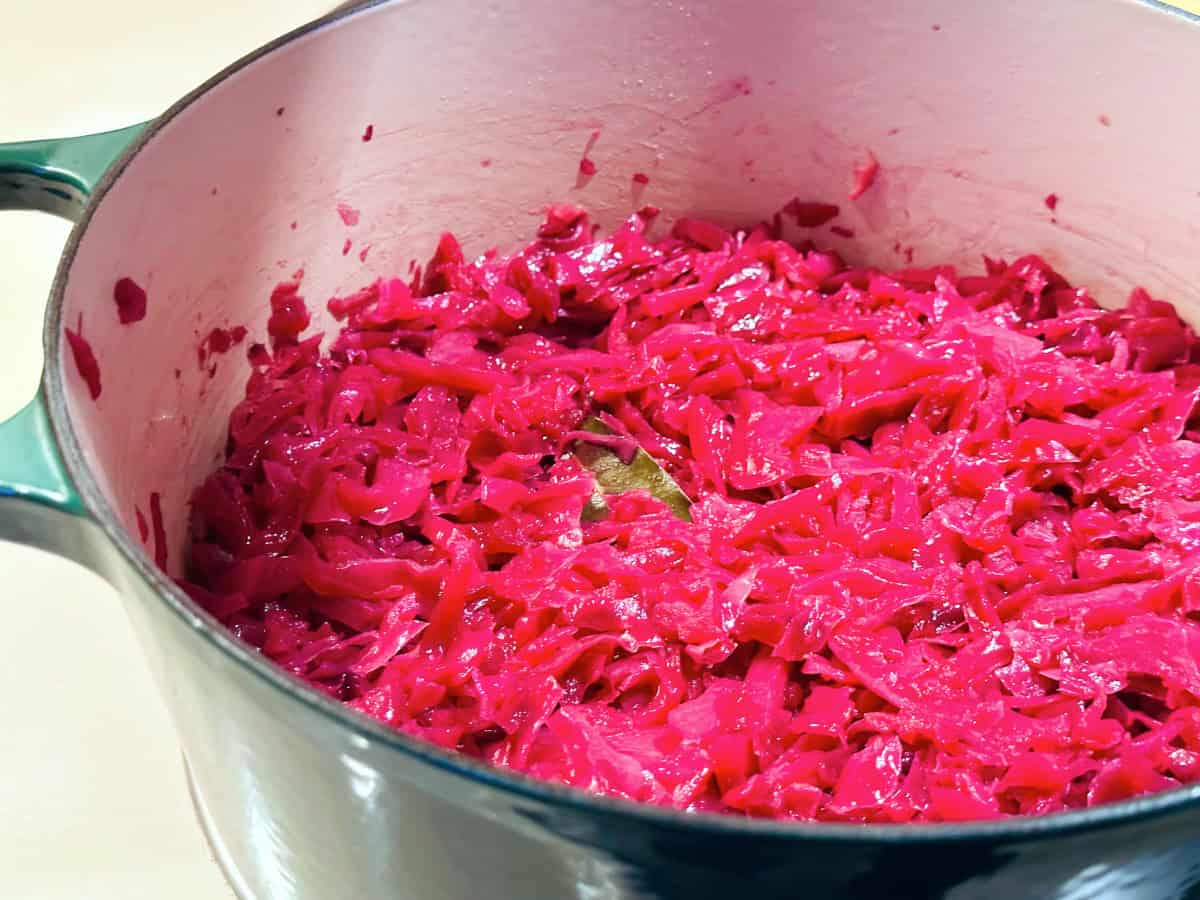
x,y
58,175
39,505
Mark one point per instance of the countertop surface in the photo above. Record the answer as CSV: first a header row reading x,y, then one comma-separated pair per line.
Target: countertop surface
x,y
93,804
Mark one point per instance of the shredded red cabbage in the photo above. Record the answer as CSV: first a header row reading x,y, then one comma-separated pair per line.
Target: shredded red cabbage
x,y
130,298
808,214
84,358
943,556
159,532
864,176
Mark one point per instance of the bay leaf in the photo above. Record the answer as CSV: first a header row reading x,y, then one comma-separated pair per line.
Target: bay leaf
x,y
615,476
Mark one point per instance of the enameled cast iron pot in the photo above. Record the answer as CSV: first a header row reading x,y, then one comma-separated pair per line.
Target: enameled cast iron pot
x,y
976,112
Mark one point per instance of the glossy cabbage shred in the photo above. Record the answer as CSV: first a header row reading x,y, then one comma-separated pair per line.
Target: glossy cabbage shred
x,y
943,556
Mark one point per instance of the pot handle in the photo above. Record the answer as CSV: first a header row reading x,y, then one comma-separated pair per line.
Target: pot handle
x,y
39,505
57,176
30,465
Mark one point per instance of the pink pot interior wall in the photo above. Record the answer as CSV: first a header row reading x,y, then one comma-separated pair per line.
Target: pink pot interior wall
x,y
478,115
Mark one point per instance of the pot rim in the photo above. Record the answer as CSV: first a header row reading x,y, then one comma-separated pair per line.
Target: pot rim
x,y
507,781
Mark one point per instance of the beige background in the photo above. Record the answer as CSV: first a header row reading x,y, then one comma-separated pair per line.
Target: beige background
x,y
92,800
